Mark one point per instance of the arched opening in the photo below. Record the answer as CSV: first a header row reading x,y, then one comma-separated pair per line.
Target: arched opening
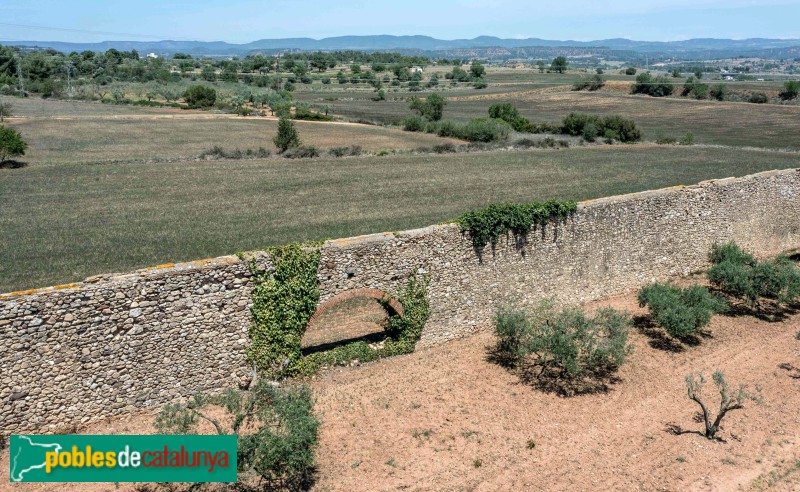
x,y
359,314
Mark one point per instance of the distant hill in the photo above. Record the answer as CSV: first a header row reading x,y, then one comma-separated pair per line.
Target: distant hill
x,y
691,49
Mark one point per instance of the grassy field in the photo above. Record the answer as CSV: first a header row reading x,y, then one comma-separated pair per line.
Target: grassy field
x,y
711,122
64,222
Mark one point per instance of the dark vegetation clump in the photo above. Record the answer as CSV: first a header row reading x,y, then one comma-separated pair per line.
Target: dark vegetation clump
x,y
761,285
564,351
613,127
353,150
592,83
682,312
652,86
200,96
302,152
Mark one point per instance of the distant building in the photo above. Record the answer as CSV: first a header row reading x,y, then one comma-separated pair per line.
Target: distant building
x,y
417,69
152,55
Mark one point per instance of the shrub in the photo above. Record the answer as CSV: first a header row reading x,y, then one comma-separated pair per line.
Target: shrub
x,y
574,123
430,108
718,92
485,130
480,84
353,150
625,129
590,132
11,144
287,136
758,98
307,114
414,124
565,350
302,152
200,96
653,86
448,128
791,88
630,71
681,312
666,140
687,139
444,148
738,274
275,425
729,401
510,115
592,83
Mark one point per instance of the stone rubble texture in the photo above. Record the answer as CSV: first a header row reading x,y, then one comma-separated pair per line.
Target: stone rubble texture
x,y
78,353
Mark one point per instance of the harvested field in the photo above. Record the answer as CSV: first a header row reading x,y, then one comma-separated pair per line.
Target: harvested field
x,y
446,418
64,222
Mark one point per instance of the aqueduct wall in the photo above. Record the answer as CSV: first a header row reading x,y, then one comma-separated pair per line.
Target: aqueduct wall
x,y
113,343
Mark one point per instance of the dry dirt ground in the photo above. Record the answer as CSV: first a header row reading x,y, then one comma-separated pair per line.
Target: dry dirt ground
x,y
447,419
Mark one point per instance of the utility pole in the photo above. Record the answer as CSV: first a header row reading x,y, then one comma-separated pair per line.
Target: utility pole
x,y
19,77
69,79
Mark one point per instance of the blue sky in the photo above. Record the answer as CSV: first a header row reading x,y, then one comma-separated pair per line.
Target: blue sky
x,y
242,20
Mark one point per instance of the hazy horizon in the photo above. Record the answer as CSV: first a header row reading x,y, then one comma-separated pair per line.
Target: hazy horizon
x,y
243,21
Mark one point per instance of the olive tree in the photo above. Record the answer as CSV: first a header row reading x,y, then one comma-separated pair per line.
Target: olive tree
x,y
729,400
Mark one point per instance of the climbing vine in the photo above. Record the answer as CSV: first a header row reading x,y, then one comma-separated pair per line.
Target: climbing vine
x,y
284,298
487,225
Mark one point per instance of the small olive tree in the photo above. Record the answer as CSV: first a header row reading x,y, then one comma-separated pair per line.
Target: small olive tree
x,y
6,110
729,400
276,428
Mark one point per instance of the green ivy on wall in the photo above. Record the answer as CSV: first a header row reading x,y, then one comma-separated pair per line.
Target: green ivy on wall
x,y
487,225
284,298
402,332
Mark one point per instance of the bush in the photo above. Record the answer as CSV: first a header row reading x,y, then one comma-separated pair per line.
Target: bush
x,y
681,312
430,108
276,428
200,96
565,351
302,152
652,86
510,115
687,139
624,129
611,127
758,98
718,92
485,130
345,151
414,124
444,148
307,114
791,88
590,132
738,274
630,71
287,136
480,84
592,83
11,144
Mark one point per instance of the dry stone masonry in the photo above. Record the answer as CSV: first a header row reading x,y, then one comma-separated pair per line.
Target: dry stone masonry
x,y
81,352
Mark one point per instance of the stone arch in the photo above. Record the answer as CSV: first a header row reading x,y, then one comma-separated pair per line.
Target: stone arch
x,y
357,314
376,294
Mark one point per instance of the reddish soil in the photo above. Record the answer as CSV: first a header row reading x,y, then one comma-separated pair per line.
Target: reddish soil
x,y
447,419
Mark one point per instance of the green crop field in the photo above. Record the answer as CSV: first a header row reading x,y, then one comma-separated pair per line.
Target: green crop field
x,y
63,222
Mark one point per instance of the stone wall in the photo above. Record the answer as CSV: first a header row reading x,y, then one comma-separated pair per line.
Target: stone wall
x,y
79,352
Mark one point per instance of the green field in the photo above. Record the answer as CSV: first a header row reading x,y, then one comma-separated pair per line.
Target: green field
x,y
711,122
63,222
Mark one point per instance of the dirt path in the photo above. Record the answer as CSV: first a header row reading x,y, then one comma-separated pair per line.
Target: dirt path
x,y
446,419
